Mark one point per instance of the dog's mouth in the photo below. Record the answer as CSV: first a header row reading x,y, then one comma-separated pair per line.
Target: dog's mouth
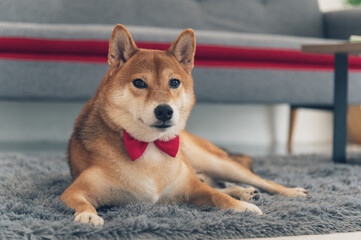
x,y
161,126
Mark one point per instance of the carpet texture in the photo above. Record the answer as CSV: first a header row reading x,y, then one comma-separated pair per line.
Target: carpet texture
x,y
30,186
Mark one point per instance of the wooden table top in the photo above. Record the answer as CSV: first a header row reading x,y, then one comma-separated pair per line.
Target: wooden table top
x,y
346,47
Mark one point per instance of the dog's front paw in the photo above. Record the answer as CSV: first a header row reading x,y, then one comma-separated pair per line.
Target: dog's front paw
x,y
88,217
249,207
295,192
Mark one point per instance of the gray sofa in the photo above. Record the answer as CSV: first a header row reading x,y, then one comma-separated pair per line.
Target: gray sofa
x,y
248,51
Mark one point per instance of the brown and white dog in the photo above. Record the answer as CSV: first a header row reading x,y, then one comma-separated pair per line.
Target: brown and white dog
x,y
145,99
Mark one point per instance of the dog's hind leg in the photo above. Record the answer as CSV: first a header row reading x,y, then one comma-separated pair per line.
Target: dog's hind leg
x,y
244,160
214,162
235,191
201,194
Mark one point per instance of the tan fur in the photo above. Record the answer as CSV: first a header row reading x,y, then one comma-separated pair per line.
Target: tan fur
x,y
100,165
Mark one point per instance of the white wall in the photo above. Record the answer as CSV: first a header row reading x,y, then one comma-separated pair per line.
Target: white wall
x,y
259,124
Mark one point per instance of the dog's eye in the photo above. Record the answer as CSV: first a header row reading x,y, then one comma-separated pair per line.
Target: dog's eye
x,y
139,83
174,83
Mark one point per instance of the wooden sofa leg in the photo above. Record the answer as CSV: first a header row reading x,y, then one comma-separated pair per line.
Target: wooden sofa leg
x,y
293,116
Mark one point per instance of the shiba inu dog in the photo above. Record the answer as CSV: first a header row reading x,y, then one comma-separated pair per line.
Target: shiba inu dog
x,y
128,143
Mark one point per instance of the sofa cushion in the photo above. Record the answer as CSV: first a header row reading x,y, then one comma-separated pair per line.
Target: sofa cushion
x,y
287,17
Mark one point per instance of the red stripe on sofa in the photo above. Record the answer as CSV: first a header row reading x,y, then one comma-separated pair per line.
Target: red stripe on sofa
x,y
95,51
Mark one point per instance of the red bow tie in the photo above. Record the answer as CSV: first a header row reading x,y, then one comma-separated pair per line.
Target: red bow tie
x,y
136,148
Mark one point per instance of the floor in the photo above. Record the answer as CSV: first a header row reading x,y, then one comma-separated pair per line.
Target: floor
x,y
335,236
302,149
36,147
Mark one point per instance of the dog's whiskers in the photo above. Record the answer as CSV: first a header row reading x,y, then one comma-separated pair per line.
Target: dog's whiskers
x,y
181,109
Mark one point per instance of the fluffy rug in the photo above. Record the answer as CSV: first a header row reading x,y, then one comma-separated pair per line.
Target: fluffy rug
x,y
30,208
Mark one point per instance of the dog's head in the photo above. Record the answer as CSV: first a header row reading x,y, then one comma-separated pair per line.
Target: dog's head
x,y
149,93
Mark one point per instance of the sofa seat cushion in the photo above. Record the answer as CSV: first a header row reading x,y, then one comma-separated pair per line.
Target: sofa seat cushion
x,y
48,50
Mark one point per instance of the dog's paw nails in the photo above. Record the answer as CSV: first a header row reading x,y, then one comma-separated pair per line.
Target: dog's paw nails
x,y
296,192
87,217
302,192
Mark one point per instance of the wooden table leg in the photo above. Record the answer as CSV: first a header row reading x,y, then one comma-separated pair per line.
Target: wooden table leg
x,y
291,129
340,108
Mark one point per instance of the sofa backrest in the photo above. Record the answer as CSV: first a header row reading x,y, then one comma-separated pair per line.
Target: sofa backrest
x,y
289,17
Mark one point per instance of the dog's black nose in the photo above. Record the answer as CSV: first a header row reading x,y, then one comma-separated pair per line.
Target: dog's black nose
x,y
163,112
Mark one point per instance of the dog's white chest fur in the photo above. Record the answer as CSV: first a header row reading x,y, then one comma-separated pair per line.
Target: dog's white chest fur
x,y
153,154
151,175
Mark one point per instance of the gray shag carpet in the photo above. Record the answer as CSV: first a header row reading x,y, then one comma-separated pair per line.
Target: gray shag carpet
x,y
30,186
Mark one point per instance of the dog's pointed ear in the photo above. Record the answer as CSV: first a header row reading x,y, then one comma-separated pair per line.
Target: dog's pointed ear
x,y
121,47
184,49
